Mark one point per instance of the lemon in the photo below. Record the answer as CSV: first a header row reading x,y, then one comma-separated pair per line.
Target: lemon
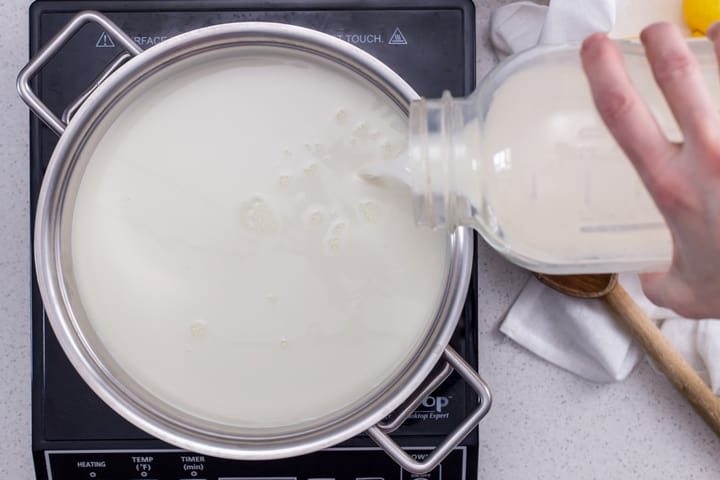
x,y
700,14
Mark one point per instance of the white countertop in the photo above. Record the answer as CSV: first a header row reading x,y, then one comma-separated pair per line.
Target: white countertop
x,y
544,423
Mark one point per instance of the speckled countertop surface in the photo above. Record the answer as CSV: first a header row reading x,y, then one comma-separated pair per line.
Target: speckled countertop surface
x,y
545,423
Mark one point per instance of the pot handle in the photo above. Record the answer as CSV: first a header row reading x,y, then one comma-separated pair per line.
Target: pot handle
x,y
451,441
52,48
398,417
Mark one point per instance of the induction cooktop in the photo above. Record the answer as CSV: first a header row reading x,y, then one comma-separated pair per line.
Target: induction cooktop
x,y
431,44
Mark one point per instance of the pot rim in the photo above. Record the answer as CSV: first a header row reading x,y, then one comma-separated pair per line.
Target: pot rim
x,y
48,249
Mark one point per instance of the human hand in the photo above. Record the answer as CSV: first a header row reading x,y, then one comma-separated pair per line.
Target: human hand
x,y
683,179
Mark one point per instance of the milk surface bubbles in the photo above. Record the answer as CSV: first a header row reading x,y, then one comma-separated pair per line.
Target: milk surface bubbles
x,y
227,254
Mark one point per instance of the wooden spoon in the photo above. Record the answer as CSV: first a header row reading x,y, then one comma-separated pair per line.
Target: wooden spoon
x,y
647,334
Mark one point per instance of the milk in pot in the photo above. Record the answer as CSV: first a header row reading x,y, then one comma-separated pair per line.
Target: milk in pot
x,y
229,257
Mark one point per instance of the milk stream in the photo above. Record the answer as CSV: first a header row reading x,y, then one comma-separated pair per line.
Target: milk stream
x,y
393,170
528,162
229,257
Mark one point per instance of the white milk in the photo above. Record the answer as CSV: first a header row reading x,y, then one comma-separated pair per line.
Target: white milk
x,y
559,187
230,259
529,163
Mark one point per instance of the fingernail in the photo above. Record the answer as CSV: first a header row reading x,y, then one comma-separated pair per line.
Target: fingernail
x,y
592,42
712,31
657,28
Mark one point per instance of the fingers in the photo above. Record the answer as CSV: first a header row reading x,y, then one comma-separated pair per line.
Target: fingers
x,y
680,79
713,156
622,109
712,33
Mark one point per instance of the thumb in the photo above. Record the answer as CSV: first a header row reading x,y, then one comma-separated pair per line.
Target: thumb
x,y
667,290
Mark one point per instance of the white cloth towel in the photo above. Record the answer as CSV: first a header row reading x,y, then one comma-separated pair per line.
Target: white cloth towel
x,y
521,25
581,336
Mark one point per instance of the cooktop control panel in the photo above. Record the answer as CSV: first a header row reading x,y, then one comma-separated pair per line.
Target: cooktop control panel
x,y
333,464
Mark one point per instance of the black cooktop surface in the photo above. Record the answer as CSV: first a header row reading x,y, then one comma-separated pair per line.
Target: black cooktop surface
x,y
75,435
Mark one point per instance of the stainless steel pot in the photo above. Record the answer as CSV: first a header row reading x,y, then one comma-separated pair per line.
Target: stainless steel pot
x,y
433,360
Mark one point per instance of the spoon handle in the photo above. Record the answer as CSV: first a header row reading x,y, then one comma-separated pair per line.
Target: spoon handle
x,y
666,358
